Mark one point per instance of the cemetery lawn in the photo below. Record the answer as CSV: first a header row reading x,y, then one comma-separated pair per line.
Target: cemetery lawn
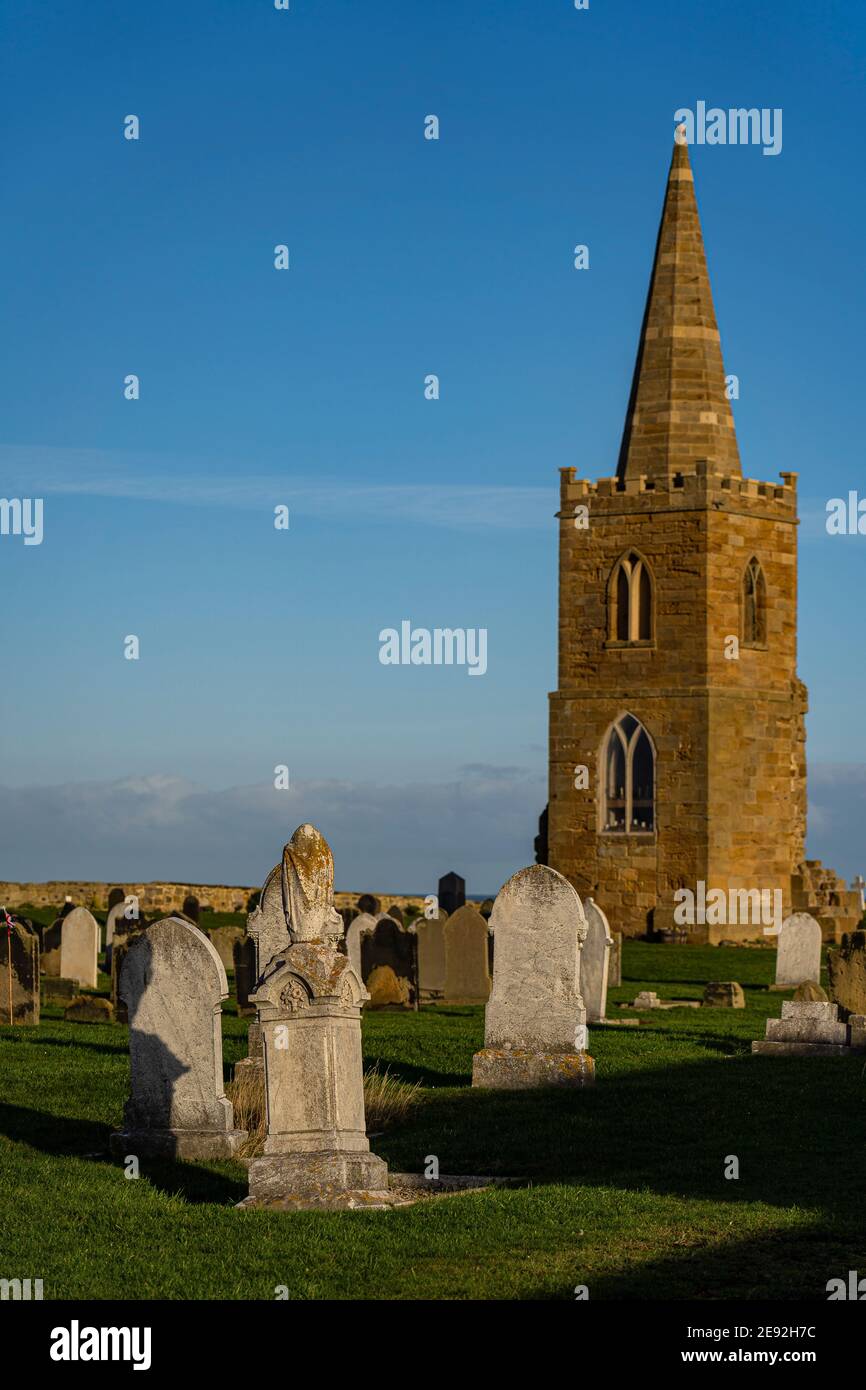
x,y
625,1183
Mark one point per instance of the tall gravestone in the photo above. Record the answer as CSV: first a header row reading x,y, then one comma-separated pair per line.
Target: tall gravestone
x,y
798,954
223,941
452,892
79,947
535,1021
359,926
173,984
391,947
430,934
614,972
244,961
191,907
467,968
19,975
51,939
594,962
316,1153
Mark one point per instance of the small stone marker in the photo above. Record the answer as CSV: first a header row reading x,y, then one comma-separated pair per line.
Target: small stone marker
x,y
535,1022
614,968
173,982
51,937
646,999
467,966
809,993
79,947
431,958
595,962
846,971
798,955
386,990
223,941
724,994
57,990
316,1153
19,975
808,1030
89,1008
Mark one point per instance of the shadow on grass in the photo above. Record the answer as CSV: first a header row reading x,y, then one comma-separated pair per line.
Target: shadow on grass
x,y
61,1137
120,1049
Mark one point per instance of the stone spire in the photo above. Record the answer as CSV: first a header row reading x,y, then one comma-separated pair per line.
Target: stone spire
x,y
678,411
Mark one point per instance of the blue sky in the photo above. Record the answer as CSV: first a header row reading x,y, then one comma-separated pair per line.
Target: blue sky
x,y
305,387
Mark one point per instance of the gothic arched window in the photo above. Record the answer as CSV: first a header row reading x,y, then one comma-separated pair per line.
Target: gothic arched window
x,y
754,605
628,763
630,600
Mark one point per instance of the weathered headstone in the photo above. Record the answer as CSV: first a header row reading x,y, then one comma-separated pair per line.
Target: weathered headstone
x,y
51,938
392,945
806,1030
798,955
58,991
223,941
397,913
191,908
467,969
116,915
79,947
173,983
367,903
724,994
386,990
595,962
535,1021
361,924
124,935
19,975
452,892
614,967
486,909
430,933
244,961
316,1153
115,896
846,972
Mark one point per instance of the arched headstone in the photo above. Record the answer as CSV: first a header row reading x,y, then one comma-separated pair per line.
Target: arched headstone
x,y
79,947
798,954
594,962
19,975
430,933
173,983
467,966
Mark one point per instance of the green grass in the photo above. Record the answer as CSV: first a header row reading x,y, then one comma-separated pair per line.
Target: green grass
x,y
626,1190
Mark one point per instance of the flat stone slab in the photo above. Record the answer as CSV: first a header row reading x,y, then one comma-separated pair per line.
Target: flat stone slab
x,y
801,1049
517,1070
665,1004
616,1022
806,1030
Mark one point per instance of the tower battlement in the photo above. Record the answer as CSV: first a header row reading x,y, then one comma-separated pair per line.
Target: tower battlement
x,y
704,488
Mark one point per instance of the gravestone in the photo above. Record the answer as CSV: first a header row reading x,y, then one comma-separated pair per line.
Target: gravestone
x,y
397,913
244,961
267,924
595,962
452,892
79,947
361,924
125,933
115,896
19,975
89,1008
390,944
798,955
57,990
724,994
467,969
173,983
810,1029
486,909
116,915
386,990
223,941
846,972
316,1153
614,968
430,934
51,938
535,1021
367,903
191,908
68,906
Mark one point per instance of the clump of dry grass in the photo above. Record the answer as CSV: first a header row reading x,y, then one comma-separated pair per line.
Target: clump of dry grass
x,y
387,1100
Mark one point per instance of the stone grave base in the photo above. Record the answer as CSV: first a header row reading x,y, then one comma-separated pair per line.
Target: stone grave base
x,y
613,1022
403,1190
801,1049
310,1181
517,1070
55,987
784,989
207,1144
812,1029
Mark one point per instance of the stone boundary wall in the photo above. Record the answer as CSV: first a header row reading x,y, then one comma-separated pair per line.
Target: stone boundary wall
x,y
164,897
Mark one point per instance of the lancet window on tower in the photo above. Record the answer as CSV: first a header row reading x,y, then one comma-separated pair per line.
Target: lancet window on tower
x,y
754,605
630,600
628,761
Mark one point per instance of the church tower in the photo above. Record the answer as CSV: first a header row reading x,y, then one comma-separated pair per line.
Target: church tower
x,y
677,689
